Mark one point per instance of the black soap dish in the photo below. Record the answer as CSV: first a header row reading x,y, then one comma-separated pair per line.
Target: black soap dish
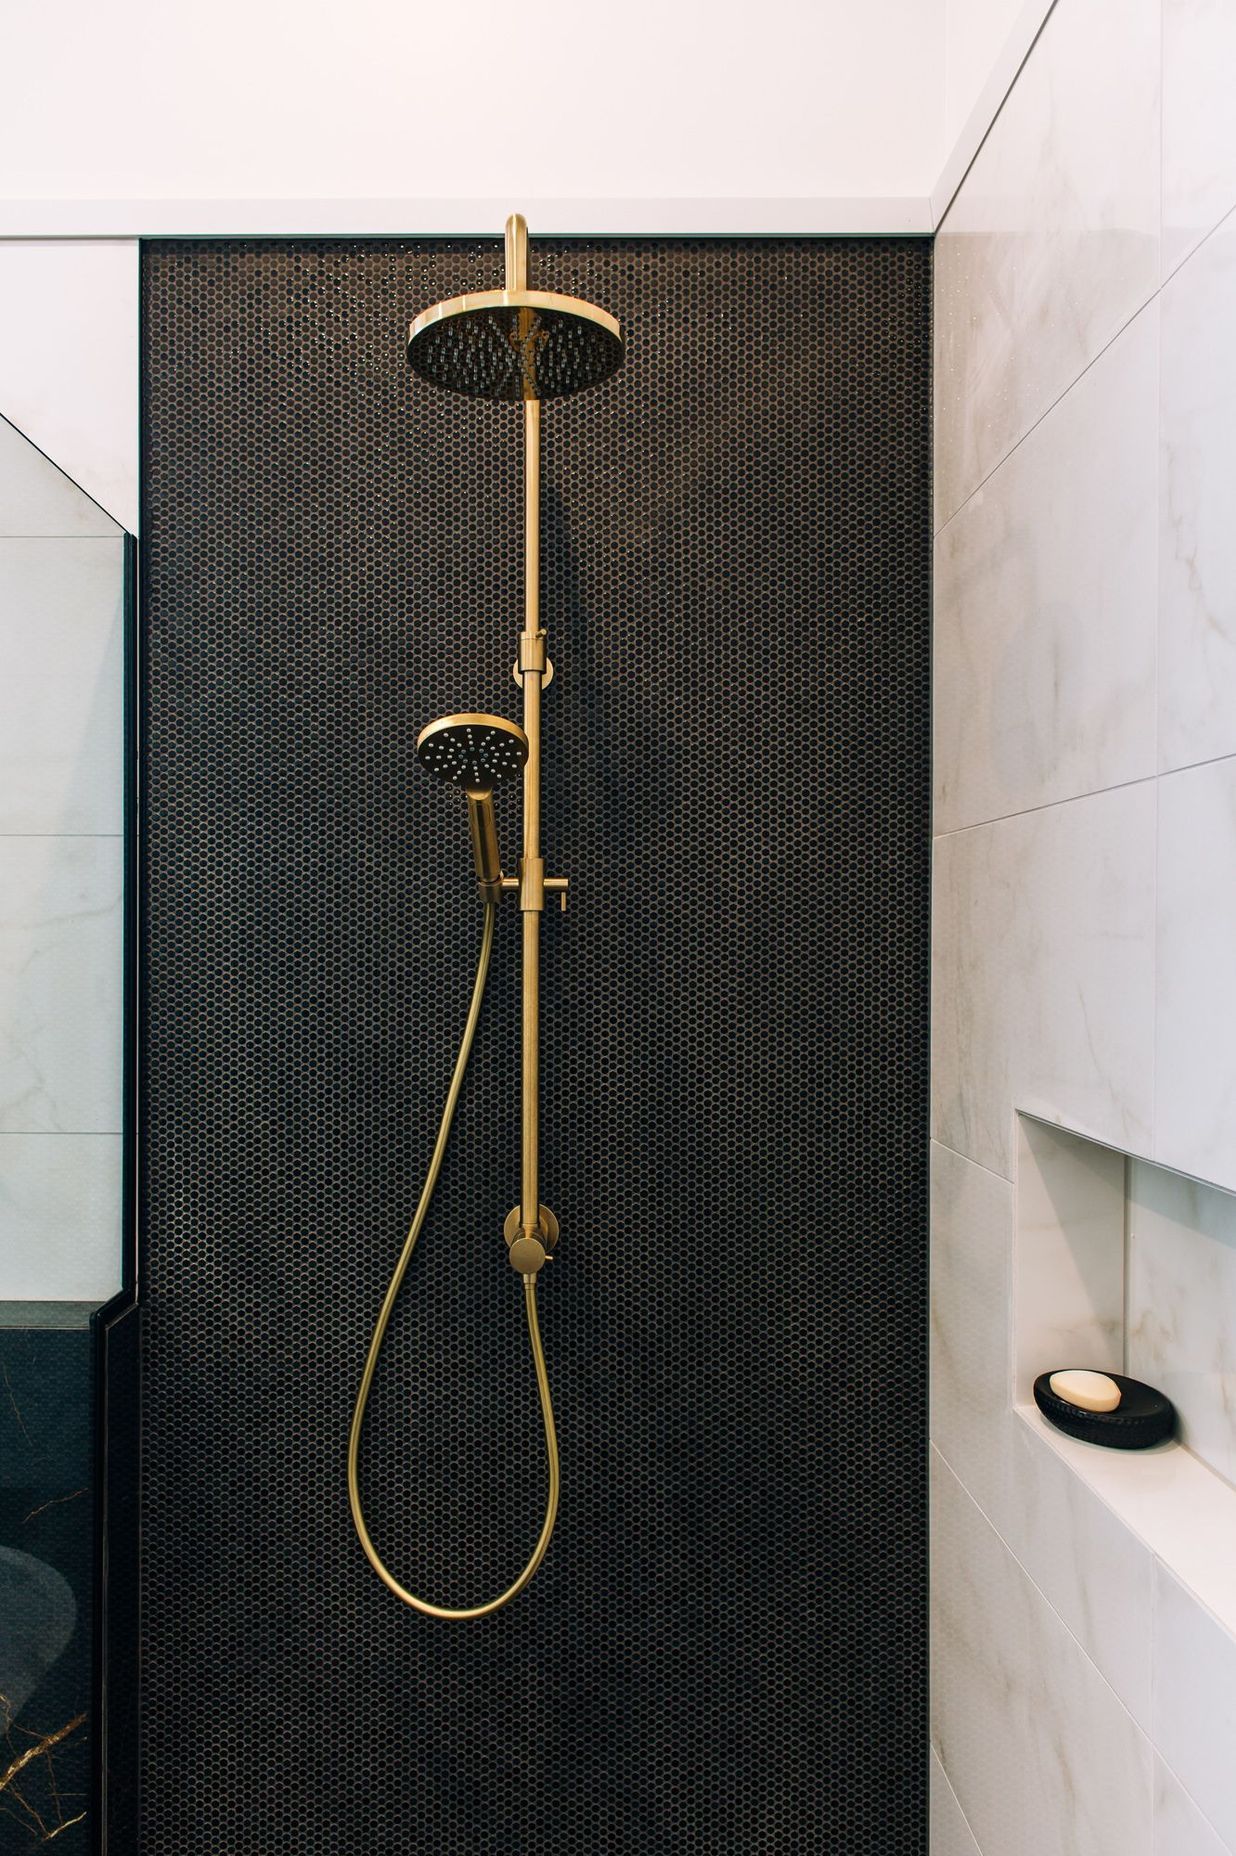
x,y
1142,1418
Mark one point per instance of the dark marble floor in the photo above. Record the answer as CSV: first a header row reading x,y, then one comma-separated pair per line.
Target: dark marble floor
x,y
46,1532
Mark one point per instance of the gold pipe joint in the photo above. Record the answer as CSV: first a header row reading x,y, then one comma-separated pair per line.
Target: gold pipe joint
x,y
532,654
531,883
552,886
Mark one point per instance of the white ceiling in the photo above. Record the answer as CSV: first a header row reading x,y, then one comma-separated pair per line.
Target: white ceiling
x,y
570,100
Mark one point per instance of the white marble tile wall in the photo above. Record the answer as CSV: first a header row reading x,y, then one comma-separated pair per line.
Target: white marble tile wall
x,y
1044,670
950,1833
971,1377
1069,1276
61,798
1181,1305
1052,243
59,1217
1095,1574
38,499
60,972
62,684
1179,1827
1197,543
1195,971
1043,974
1038,1749
69,360
1194,1715
1084,922
1199,123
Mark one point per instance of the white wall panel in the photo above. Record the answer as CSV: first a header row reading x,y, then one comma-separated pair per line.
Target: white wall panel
x,y
69,351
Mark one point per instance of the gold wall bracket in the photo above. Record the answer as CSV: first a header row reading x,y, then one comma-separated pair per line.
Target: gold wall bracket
x,y
532,653
546,680
533,656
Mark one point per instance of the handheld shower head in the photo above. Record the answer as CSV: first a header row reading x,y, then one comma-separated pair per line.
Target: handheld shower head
x,y
476,752
473,751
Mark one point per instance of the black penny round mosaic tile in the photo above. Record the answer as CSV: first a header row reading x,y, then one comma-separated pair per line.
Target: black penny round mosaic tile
x,y
725,1650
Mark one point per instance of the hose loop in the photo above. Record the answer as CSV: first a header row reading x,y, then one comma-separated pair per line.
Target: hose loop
x,y
383,1322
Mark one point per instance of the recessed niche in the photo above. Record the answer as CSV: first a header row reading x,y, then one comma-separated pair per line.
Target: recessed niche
x,y
1131,1268
1069,1259
1180,1304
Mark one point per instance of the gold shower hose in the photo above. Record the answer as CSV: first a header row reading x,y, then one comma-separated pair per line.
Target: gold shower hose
x,y
379,1334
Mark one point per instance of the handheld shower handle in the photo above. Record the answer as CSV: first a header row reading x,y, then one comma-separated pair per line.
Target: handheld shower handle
x,y
476,752
485,854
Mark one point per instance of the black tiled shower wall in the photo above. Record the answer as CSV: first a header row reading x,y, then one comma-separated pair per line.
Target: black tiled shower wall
x,y
725,1649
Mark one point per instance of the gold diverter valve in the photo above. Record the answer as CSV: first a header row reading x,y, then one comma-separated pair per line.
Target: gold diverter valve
x,y
528,345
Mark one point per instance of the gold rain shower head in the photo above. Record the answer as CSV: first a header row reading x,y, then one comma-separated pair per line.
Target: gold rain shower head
x,y
515,343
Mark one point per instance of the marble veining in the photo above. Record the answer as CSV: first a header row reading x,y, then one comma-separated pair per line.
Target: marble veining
x,y
60,984
1083,899
1194,1722
1042,974
1039,1750
1095,1574
971,1250
46,1598
1097,1577
1197,537
1195,978
1199,123
1069,1293
1052,243
1180,1829
950,1833
62,692
1045,623
1182,1305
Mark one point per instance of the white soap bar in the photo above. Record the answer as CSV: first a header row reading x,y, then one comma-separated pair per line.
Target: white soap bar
x,y
1092,1391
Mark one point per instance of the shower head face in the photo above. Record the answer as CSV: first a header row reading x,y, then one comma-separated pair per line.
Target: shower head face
x,y
476,752
515,345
